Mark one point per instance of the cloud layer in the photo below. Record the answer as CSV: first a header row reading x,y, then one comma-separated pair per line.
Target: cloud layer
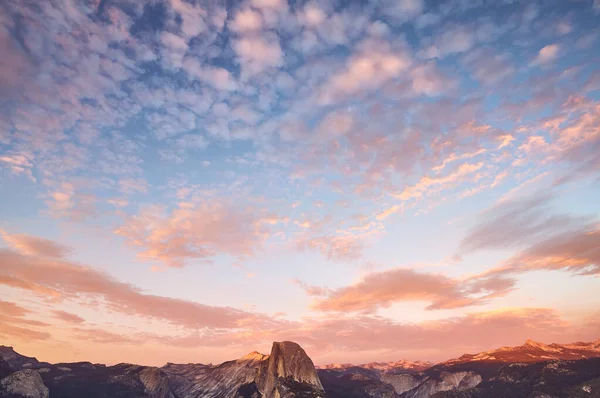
x,y
427,155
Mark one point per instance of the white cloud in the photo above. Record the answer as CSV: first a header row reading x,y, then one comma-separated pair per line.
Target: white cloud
x,y
548,54
258,52
174,49
404,9
217,77
192,17
312,15
246,20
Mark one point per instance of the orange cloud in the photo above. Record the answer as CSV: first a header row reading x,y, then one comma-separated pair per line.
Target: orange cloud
x,y
65,202
577,252
23,333
426,182
104,337
196,232
388,212
340,248
13,323
34,246
382,289
12,309
70,281
470,333
68,317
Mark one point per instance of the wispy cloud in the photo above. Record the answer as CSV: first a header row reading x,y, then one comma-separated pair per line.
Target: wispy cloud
x,y
68,281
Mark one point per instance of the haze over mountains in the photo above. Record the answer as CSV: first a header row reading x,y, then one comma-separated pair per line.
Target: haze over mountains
x,y
530,370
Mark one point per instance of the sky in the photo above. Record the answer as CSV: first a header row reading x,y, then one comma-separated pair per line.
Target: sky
x,y
189,181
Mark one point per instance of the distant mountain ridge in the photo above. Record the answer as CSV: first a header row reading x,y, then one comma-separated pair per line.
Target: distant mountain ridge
x,y
530,351
532,370
287,372
415,366
533,351
468,376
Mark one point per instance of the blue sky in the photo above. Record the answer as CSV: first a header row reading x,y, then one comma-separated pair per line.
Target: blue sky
x,y
191,180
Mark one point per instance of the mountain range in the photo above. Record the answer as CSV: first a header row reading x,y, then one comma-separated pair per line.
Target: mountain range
x,y
532,370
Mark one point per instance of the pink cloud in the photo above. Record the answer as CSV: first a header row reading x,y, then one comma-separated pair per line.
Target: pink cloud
x,y
9,331
427,80
359,339
311,290
258,52
454,40
517,222
103,336
174,49
12,309
18,164
16,69
246,20
374,63
193,17
488,66
14,325
66,202
69,281
426,183
312,14
577,252
339,248
196,232
404,9
219,78
34,246
382,289
548,53
67,317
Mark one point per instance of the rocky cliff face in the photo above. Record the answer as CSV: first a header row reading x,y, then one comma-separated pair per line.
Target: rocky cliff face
x,y
25,383
458,381
288,368
287,371
224,380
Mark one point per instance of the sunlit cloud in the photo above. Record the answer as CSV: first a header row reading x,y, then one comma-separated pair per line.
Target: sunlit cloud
x,y
382,289
147,147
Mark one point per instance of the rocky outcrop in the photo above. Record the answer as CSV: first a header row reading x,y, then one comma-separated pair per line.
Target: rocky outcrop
x,y
228,380
448,381
155,383
288,368
286,372
532,351
18,361
25,383
401,382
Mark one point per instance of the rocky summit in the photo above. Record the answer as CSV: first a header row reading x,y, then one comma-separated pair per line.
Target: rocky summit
x,y
531,370
288,372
